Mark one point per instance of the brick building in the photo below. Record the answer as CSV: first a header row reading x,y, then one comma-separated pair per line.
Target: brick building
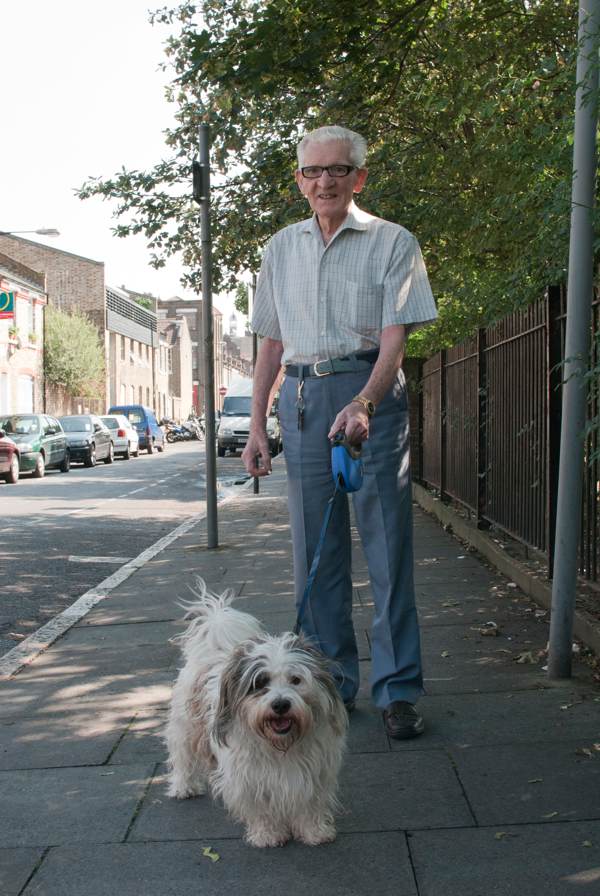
x,y
175,338
22,338
177,307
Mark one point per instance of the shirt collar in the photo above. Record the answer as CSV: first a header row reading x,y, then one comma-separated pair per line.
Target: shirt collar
x,y
356,219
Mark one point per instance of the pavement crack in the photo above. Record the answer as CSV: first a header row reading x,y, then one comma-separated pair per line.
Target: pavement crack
x,y
140,802
115,747
35,869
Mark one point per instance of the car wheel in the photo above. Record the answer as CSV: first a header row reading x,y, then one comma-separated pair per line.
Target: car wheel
x,y
66,464
150,446
90,460
13,474
40,467
127,453
136,453
111,454
170,437
220,451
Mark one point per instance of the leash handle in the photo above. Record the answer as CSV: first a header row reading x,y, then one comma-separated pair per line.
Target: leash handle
x,y
315,563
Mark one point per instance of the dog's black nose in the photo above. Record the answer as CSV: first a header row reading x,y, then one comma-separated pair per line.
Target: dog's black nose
x,y
280,706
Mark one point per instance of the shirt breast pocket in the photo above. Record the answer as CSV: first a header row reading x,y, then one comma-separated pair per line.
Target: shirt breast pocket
x,y
365,306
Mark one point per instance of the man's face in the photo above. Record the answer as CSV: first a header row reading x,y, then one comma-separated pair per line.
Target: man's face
x,y
330,197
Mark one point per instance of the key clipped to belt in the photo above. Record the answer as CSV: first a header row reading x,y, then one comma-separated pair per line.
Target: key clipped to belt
x,y
300,403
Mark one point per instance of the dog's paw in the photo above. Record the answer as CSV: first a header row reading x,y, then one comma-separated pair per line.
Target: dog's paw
x,y
180,790
315,834
262,837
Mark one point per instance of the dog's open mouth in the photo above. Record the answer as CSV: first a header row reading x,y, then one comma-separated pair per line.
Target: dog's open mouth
x,y
280,724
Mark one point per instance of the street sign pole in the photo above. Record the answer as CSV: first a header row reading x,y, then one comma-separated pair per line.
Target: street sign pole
x,y
577,344
201,172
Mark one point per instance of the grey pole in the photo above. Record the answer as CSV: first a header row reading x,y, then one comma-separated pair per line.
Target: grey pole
x,y
212,531
577,346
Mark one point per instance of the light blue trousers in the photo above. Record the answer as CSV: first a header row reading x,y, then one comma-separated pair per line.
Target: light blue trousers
x,y
383,510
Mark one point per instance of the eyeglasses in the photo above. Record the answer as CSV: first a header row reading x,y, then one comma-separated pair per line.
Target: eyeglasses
x,y
314,171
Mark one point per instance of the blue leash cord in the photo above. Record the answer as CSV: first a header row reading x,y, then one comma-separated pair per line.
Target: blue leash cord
x,y
315,564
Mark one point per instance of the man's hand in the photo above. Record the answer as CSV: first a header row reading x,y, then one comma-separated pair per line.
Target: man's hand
x,y
256,455
353,420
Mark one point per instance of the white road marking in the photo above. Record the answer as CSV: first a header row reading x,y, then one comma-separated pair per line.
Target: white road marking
x,y
73,559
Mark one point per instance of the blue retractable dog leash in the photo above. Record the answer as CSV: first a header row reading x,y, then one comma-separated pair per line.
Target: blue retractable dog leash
x,y
347,471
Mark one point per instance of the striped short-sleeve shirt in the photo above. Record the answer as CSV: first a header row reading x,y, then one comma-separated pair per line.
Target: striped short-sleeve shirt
x,y
328,301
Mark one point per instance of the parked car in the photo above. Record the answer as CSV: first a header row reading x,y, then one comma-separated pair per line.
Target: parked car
x,y
40,440
234,425
88,438
144,420
124,435
9,459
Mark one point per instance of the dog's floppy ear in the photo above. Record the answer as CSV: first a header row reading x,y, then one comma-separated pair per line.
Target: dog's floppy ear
x,y
230,693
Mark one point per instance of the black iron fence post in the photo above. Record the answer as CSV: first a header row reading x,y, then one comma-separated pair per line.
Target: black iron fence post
x,y
482,432
443,421
554,353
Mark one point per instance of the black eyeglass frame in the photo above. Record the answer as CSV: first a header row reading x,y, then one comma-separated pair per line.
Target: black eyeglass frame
x,y
322,168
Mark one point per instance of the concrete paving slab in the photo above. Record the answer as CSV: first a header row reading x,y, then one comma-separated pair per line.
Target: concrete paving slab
x,y
529,860
461,673
127,634
82,737
34,691
508,718
515,636
354,865
163,818
69,805
142,740
365,732
386,792
531,783
16,865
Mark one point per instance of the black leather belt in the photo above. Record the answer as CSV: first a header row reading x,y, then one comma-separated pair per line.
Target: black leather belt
x,y
347,364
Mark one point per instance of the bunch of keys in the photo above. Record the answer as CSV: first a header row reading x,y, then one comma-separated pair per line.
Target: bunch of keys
x,y
300,403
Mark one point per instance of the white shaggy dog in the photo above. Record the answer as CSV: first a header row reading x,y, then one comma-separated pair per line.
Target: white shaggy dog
x,y
259,720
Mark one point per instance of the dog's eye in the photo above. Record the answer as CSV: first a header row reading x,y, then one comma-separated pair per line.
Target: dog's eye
x,y
261,681
295,680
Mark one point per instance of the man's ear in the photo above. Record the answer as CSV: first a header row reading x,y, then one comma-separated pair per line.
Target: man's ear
x,y
298,177
361,178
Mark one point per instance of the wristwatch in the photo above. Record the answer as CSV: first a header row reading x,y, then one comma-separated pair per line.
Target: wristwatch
x,y
366,403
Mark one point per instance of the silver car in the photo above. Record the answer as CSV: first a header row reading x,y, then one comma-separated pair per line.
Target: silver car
x,y
124,435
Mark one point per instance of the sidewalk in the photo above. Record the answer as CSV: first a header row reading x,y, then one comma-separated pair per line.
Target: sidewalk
x,y
500,796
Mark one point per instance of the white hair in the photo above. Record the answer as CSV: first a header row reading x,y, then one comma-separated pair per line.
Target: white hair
x,y
356,143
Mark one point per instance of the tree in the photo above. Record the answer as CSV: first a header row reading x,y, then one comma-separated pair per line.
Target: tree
x,y
73,354
241,298
467,105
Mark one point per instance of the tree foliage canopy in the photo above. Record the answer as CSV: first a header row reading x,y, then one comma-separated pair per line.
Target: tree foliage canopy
x,y
73,354
467,106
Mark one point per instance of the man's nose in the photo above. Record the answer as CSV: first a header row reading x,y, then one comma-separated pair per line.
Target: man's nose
x,y
326,179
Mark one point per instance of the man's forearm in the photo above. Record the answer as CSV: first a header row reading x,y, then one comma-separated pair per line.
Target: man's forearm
x,y
391,352
266,370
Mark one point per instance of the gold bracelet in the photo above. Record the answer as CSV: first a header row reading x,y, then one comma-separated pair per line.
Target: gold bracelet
x,y
366,403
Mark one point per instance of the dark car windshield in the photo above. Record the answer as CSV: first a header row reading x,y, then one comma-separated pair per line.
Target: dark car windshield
x,y
111,422
76,424
237,406
20,424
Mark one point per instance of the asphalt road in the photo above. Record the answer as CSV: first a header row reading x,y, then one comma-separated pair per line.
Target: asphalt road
x,y
63,534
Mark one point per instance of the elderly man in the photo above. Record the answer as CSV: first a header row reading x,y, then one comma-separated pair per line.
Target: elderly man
x,y
336,296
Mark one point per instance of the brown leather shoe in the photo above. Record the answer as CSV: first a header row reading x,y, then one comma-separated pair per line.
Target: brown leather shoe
x,y
402,720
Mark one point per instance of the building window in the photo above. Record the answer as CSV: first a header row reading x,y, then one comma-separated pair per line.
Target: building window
x,y
141,395
123,398
25,396
148,395
4,400
122,338
132,394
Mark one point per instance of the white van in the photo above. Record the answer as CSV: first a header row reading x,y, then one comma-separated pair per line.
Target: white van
x,y
234,423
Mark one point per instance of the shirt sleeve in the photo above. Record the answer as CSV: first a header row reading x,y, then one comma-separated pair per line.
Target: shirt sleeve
x,y
407,296
265,320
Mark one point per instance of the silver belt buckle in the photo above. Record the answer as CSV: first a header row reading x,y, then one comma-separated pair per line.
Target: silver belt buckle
x,y
316,368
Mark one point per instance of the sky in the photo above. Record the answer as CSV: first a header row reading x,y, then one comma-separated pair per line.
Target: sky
x,y
81,96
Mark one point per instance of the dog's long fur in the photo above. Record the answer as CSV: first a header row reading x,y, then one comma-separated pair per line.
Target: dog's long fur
x,y
258,719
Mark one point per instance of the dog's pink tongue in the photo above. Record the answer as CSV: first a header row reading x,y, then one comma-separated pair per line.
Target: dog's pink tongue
x,y
280,725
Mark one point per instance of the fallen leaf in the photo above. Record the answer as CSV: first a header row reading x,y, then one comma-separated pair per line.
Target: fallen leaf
x,y
550,815
500,835
490,629
526,657
445,653
451,603
16,636
585,751
587,843
210,854
511,584
535,780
